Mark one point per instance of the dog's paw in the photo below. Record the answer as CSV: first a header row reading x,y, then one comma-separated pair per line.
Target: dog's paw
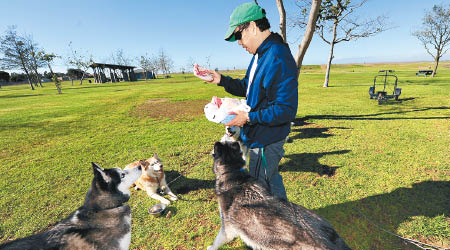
x,y
173,198
167,202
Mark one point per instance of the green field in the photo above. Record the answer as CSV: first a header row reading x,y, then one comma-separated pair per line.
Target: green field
x,y
389,164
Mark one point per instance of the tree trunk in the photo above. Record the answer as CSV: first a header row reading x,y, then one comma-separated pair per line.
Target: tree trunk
x,y
28,77
38,78
436,63
327,75
57,84
307,37
81,80
282,13
34,80
330,58
29,81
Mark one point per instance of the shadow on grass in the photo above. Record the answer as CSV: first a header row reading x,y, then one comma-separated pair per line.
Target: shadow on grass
x,y
184,185
19,96
388,211
394,102
373,116
306,133
406,99
63,127
309,162
96,85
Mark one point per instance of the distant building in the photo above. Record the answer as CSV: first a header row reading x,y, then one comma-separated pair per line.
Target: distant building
x,y
63,78
116,73
140,74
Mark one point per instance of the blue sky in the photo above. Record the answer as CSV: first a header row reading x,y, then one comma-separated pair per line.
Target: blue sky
x,y
195,29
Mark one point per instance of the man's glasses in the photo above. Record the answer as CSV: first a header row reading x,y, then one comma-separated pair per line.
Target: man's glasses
x,y
238,35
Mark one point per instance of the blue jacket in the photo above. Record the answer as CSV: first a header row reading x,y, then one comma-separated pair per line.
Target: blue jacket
x,y
273,94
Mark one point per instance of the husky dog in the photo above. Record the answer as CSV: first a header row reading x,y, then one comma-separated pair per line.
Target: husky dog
x,y
152,178
248,210
233,134
103,222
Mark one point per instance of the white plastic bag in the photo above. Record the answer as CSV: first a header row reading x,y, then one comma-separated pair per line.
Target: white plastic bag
x,y
221,110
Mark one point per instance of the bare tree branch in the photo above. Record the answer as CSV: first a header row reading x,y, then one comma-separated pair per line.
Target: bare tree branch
x,y
165,62
80,60
15,53
35,61
337,19
435,32
119,58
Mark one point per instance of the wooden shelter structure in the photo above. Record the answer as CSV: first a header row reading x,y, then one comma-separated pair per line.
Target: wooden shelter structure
x,y
117,73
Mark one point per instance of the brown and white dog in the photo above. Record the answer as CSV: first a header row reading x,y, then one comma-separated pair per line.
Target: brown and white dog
x,y
152,178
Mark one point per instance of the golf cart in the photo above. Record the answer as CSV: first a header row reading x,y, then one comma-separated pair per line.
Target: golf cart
x,y
388,83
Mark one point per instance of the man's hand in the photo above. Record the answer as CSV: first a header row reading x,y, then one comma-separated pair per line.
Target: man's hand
x,y
216,76
240,119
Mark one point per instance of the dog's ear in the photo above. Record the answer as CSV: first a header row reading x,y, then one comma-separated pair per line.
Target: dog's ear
x,y
217,149
100,173
143,164
155,156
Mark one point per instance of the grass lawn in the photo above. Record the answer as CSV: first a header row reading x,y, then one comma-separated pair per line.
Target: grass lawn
x,y
360,165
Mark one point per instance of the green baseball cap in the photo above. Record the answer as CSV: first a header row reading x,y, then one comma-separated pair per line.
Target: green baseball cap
x,y
243,13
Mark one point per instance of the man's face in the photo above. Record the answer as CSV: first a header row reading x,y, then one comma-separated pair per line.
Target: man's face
x,y
248,38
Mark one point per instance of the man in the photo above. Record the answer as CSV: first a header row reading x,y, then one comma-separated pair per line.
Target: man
x,y
271,87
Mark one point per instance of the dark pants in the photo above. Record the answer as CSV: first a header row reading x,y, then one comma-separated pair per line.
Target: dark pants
x,y
269,174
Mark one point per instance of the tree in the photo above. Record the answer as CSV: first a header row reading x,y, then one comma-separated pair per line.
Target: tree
x,y
190,64
4,76
435,33
165,63
75,73
337,19
47,74
17,77
154,63
79,60
119,58
144,63
49,59
148,64
15,53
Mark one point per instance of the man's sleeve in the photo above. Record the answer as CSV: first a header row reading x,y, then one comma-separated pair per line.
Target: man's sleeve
x,y
281,87
237,87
